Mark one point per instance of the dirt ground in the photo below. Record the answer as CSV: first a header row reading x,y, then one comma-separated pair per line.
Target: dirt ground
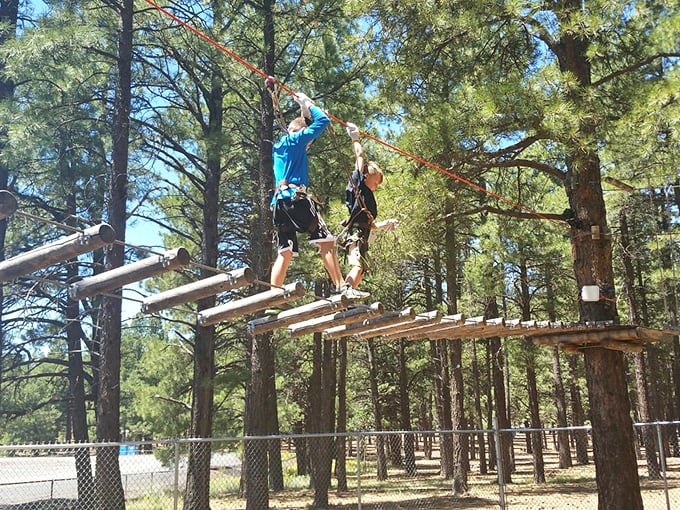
x,y
572,488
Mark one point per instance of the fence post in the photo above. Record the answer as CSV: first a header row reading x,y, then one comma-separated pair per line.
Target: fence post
x,y
499,464
175,490
359,441
662,457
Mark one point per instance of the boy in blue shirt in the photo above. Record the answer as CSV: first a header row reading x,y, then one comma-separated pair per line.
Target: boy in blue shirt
x,y
293,210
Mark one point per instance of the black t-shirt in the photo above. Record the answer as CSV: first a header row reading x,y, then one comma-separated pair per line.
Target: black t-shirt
x,y
357,184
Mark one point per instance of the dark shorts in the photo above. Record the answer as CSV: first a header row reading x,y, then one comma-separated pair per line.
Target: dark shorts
x,y
298,214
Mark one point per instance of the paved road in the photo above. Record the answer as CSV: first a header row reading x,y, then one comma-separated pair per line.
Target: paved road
x,y
27,479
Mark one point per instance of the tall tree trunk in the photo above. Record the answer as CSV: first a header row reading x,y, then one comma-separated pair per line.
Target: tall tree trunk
x,y
459,443
197,494
108,481
592,263
405,413
532,389
643,407
443,405
341,427
561,412
257,494
488,361
377,414
476,389
563,446
322,399
578,418
9,12
76,383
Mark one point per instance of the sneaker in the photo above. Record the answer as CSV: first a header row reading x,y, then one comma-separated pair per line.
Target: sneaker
x,y
353,294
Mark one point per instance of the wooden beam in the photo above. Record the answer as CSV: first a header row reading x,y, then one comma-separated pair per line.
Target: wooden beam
x,y
129,273
8,204
421,319
621,346
60,250
198,290
298,314
419,331
356,328
444,328
336,319
251,304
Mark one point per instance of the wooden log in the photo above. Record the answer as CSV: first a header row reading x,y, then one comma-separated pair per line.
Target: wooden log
x,y
456,321
475,327
336,319
356,328
421,319
621,346
197,290
251,304
8,204
298,314
130,273
419,332
60,250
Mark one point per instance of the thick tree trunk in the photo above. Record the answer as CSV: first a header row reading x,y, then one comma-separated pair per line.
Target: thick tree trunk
x,y
108,481
259,256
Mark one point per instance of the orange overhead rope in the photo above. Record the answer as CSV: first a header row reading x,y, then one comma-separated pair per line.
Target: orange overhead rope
x,y
271,80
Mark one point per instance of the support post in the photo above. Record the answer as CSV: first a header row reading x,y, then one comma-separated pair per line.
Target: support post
x,y
129,273
58,251
298,314
197,290
336,319
356,328
8,204
251,304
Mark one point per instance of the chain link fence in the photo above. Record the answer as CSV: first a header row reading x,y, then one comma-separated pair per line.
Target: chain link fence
x,y
367,470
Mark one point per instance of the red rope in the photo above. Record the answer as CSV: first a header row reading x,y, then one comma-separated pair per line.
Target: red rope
x,y
403,152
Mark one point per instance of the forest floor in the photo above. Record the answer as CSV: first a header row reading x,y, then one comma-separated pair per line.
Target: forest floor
x,y
571,488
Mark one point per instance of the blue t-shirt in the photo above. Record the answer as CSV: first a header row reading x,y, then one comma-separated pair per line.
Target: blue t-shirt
x,y
290,154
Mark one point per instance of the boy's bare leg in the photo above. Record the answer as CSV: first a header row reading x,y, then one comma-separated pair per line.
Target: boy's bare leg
x,y
280,268
354,276
330,261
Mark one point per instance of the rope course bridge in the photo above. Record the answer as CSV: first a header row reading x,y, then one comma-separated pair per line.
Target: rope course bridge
x,y
334,317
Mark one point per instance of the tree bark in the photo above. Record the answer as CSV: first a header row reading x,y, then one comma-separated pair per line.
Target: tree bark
x,y
476,389
341,441
499,396
405,413
109,487
377,414
561,412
